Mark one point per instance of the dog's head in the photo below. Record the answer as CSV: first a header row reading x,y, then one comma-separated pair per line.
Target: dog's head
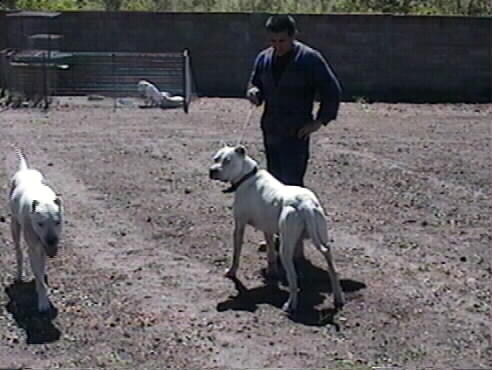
x,y
47,222
141,86
230,164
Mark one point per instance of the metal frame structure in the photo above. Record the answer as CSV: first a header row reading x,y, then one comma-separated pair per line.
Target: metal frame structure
x,y
33,78
37,72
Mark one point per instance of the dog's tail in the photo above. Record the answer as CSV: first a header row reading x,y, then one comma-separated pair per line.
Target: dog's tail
x,y
315,221
22,159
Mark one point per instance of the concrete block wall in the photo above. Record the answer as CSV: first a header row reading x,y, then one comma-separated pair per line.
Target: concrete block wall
x,y
378,57
3,31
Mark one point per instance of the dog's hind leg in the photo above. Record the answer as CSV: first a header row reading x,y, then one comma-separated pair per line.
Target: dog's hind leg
x,y
299,253
291,228
335,282
272,267
299,258
318,233
15,227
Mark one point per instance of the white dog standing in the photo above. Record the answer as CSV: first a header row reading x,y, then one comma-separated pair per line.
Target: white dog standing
x,y
37,215
292,212
151,94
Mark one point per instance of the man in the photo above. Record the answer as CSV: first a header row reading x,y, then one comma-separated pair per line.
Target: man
x,y
287,77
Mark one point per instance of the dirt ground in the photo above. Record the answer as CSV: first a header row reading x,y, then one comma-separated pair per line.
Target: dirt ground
x,y
139,280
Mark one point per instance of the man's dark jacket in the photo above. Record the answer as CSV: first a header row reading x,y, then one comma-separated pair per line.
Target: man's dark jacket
x,y
289,103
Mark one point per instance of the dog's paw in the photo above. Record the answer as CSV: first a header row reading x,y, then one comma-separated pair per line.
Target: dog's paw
x,y
289,307
339,303
230,273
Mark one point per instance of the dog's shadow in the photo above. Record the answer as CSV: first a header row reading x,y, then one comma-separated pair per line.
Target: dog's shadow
x,y
22,305
312,282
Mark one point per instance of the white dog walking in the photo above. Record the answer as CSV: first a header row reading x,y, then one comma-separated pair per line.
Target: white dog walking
x,y
292,212
37,214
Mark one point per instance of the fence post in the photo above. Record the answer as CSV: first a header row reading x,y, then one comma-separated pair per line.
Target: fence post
x,y
113,75
185,81
45,80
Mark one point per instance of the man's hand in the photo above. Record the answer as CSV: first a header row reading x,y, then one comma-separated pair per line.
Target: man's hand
x,y
254,96
308,129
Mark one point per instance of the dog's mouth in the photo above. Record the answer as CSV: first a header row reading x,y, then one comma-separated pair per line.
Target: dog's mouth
x,y
50,253
214,174
51,250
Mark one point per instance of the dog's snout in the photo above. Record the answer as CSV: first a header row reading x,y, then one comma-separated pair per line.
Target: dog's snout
x,y
51,245
212,173
51,249
52,240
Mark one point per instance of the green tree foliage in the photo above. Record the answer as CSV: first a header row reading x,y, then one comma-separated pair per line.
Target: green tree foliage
x,y
441,7
438,7
113,5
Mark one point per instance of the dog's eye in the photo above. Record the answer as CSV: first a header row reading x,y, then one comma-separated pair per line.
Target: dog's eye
x,y
40,224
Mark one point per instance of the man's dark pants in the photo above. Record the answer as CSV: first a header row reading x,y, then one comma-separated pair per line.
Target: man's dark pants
x,y
287,157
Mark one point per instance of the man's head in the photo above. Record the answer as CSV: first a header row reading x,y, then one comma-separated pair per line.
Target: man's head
x,y
281,33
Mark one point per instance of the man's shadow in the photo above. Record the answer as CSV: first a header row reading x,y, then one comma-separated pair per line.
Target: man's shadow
x,y
23,305
312,282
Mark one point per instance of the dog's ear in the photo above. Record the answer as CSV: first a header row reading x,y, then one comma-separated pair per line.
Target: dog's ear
x,y
35,203
240,150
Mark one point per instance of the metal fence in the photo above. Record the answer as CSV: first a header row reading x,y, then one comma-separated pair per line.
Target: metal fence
x,y
38,67
38,75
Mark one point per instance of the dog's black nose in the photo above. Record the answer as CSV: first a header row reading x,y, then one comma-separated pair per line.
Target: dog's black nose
x,y
212,172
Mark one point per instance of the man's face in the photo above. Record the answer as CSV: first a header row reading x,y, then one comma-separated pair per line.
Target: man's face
x,y
281,42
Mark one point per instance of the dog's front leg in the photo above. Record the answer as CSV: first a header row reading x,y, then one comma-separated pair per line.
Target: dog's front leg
x,y
37,257
16,234
236,255
38,268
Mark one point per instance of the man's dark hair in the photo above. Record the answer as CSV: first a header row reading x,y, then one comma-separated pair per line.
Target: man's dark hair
x,y
281,23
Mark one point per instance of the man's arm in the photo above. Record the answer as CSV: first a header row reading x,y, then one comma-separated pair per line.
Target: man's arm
x,y
328,88
254,91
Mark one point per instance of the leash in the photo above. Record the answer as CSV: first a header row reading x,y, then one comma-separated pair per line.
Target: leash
x,y
245,124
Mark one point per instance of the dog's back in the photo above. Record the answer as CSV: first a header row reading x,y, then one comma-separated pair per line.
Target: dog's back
x,y
26,183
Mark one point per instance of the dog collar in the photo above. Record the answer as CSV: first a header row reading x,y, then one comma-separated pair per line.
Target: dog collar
x,y
233,187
